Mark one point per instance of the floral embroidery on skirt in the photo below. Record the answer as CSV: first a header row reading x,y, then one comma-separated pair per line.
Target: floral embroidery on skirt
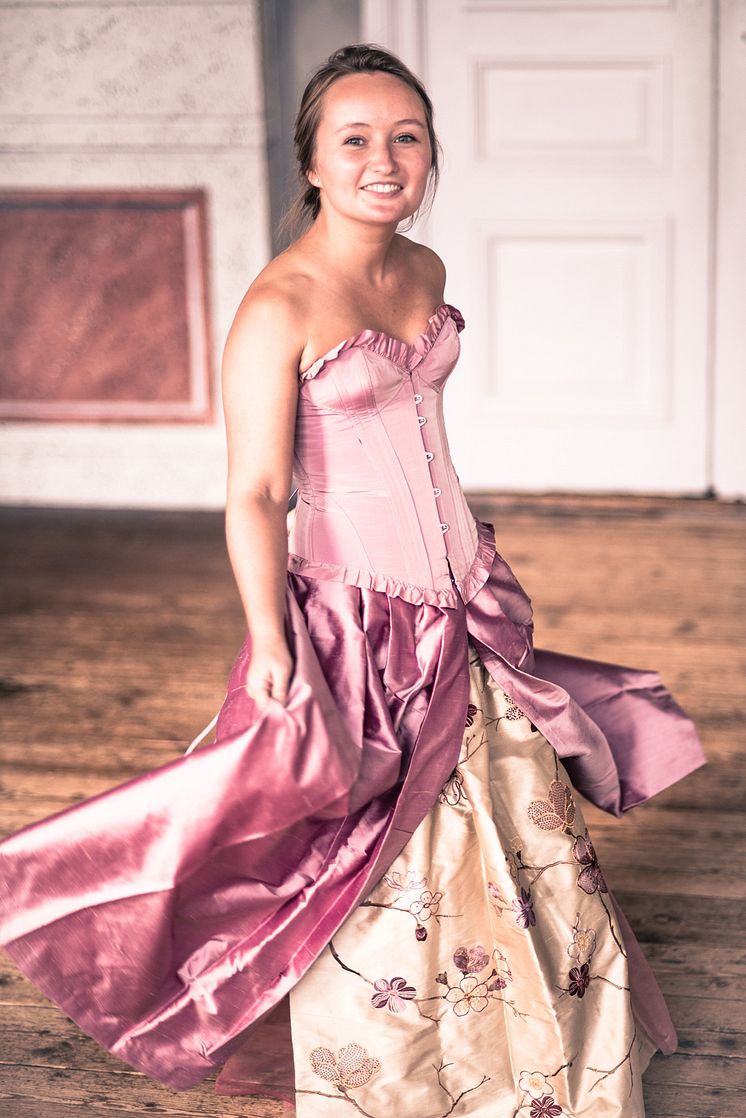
x,y
485,974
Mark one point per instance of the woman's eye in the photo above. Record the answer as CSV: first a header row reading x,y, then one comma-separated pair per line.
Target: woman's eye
x,y
358,141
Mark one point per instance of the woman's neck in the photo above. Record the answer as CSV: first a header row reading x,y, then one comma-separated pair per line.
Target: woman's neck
x,y
353,251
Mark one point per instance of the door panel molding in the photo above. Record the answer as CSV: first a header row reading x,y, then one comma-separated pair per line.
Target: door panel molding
x,y
574,217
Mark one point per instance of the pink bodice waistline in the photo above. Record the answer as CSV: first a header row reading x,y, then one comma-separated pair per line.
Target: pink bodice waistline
x,y
465,588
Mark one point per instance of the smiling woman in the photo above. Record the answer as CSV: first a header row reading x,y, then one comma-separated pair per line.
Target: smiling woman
x,y
339,127
386,827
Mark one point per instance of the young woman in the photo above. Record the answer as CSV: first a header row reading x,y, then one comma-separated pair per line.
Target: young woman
x,y
385,828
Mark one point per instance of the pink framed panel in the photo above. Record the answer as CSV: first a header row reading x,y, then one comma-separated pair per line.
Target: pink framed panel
x,y
104,309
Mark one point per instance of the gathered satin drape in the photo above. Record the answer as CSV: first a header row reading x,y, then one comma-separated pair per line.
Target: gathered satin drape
x,y
166,915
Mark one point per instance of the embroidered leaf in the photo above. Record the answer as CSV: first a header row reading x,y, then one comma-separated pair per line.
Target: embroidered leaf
x,y
355,1065
324,1063
352,1067
561,799
556,812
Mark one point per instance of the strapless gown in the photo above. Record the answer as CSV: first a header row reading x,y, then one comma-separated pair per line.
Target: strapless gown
x,y
380,896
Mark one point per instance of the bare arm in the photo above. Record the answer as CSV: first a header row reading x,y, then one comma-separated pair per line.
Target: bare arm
x,y
260,389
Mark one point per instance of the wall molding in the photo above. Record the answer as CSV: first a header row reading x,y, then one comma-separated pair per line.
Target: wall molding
x,y
133,132
646,81
103,4
639,254
599,6
400,26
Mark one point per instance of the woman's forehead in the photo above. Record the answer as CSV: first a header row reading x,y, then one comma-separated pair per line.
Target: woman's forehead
x,y
361,99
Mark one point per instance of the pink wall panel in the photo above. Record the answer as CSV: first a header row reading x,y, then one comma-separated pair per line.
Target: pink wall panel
x,y
104,306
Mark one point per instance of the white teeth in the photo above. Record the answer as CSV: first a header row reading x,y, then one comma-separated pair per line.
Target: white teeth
x,y
382,188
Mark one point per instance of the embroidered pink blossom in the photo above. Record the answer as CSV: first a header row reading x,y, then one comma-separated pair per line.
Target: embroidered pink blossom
x,y
590,878
498,900
583,945
420,933
525,917
469,994
535,1083
426,905
545,1107
579,980
351,1067
392,995
405,883
502,971
471,959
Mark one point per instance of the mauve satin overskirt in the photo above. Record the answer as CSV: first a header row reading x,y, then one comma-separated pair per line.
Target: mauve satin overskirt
x,y
167,915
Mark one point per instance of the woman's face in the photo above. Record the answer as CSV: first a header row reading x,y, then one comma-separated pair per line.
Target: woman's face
x,y
372,130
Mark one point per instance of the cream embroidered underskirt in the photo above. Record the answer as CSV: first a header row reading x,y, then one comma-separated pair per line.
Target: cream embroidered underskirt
x,y
486,974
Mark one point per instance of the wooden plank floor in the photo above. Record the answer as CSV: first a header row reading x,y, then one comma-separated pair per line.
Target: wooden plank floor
x,y
118,632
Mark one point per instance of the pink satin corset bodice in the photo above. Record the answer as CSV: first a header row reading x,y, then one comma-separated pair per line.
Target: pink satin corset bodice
x,y
379,501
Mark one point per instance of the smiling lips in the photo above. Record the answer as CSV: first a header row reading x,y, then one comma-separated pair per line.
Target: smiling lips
x,y
383,187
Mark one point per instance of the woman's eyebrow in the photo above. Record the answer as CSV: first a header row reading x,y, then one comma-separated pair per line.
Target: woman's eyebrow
x,y
363,124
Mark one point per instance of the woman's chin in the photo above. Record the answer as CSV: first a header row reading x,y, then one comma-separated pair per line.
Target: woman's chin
x,y
387,214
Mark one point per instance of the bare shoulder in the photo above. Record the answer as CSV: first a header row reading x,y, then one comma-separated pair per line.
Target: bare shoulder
x,y
428,265
271,316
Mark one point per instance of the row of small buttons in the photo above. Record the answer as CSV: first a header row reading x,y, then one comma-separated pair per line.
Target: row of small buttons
x,y
422,420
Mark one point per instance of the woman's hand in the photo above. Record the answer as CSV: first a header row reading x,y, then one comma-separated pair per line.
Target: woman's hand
x,y
270,670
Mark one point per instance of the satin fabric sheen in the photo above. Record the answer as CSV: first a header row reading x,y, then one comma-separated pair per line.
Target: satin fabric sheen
x,y
167,915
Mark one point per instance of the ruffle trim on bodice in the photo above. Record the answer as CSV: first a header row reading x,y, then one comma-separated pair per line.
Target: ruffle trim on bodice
x,y
484,557
475,577
405,354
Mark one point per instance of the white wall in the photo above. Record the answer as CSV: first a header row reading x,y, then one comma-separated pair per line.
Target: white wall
x,y
136,93
729,325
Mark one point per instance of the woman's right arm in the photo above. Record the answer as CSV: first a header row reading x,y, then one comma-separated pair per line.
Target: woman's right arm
x,y
260,391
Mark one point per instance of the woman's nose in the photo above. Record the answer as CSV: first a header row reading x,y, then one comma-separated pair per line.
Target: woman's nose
x,y
383,158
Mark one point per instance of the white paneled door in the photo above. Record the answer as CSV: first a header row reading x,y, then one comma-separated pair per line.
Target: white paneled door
x,y
574,218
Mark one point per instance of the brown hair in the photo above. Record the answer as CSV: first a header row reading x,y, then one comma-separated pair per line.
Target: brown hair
x,y
353,59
